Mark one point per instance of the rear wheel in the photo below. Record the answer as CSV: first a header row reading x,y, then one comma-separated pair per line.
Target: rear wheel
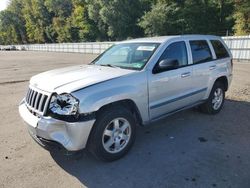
x,y
113,134
216,99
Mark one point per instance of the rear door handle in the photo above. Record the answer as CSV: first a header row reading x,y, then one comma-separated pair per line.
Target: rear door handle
x,y
212,67
185,74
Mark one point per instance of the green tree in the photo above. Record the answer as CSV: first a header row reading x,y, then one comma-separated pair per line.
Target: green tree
x,y
8,32
208,16
242,17
18,22
188,16
12,24
163,19
85,29
61,11
94,13
117,20
38,20
200,17
225,20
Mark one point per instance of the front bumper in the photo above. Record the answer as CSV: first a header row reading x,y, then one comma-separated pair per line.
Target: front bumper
x,y
72,136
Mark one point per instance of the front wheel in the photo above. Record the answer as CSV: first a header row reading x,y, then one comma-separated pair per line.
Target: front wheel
x,y
216,99
113,134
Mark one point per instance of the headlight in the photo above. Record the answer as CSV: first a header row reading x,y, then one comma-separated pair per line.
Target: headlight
x,y
64,104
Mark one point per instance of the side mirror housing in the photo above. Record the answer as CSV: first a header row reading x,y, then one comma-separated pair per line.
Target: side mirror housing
x,y
166,64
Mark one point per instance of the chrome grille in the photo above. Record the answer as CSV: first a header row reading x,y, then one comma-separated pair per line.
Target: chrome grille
x,y
36,101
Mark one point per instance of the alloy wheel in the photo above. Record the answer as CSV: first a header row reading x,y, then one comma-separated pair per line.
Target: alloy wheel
x,y
116,135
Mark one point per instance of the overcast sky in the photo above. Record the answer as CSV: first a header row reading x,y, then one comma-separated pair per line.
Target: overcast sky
x,y
3,4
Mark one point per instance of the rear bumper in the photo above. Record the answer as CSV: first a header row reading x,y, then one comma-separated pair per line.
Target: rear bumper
x,y
71,136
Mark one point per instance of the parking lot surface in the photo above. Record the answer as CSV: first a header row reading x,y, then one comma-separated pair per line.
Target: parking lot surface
x,y
188,149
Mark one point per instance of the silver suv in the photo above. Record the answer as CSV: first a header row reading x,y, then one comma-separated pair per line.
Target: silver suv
x,y
135,82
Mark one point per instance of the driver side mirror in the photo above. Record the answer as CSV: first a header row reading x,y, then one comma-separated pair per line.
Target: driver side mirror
x,y
166,64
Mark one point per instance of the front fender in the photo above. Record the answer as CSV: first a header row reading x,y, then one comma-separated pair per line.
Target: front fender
x,y
102,98
133,88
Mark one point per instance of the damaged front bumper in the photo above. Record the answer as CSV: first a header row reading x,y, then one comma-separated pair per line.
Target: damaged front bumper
x,y
72,136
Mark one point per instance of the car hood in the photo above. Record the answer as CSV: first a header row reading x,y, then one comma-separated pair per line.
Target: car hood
x,y
69,79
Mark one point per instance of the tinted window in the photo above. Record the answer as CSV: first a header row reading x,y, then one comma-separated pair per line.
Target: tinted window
x,y
176,51
219,49
200,51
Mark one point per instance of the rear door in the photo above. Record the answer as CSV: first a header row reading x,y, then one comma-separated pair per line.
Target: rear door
x,y
203,66
223,58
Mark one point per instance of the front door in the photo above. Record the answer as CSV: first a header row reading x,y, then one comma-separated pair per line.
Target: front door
x,y
173,89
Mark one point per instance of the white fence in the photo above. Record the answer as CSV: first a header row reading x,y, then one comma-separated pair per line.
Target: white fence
x,y
239,46
88,47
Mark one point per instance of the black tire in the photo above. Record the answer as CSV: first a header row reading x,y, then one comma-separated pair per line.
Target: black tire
x,y
208,106
95,143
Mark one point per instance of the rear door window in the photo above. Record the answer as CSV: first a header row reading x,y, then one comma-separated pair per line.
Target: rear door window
x,y
219,49
200,51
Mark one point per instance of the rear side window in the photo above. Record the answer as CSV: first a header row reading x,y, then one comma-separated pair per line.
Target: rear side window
x,y
219,49
176,51
200,51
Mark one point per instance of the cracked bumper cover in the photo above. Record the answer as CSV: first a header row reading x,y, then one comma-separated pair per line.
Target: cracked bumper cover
x,y
73,136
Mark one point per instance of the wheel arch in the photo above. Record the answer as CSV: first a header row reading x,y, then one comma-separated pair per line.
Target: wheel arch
x,y
127,103
223,80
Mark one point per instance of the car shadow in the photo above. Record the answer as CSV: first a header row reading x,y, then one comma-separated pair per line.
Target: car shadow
x,y
184,150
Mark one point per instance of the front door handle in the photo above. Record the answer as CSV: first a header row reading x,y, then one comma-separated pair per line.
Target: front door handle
x,y
212,67
185,74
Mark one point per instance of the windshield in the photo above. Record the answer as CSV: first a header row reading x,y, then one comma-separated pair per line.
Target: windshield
x,y
127,55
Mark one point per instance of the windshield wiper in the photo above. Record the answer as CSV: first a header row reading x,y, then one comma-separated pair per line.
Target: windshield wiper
x,y
109,65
